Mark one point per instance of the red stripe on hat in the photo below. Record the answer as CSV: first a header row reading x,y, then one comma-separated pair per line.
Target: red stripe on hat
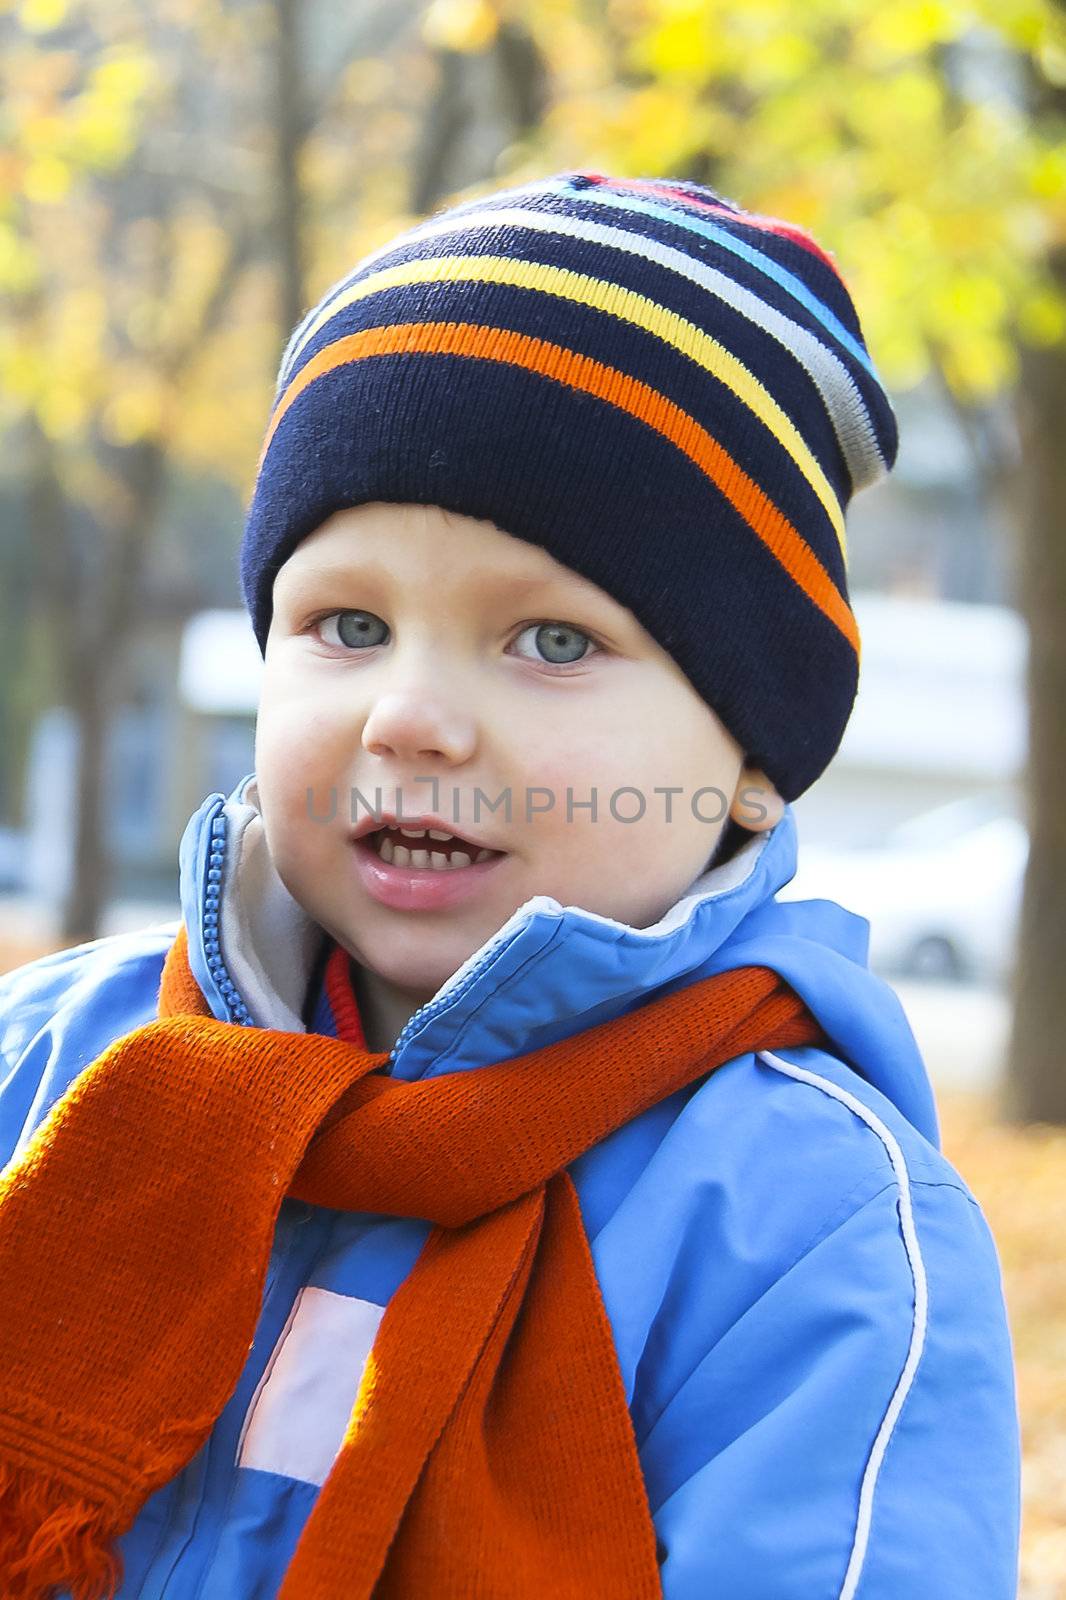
x,y
787,230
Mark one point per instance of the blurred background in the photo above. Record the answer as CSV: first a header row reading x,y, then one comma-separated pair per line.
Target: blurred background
x,y
180,181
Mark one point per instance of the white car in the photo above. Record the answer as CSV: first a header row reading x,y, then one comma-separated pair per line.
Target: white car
x,y
942,892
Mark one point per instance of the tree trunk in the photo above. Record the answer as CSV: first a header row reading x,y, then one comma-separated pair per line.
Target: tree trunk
x,y
1036,1085
91,655
291,131
60,582
88,698
1036,1080
483,101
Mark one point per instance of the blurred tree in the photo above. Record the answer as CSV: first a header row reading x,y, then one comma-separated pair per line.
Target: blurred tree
x,y
490,92
149,188
14,640
115,276
291,136
1037,1085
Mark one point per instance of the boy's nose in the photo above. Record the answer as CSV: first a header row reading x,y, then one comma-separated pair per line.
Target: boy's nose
x,y
408,725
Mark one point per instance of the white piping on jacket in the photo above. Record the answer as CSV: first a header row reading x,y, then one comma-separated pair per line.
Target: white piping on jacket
x,y
921,1303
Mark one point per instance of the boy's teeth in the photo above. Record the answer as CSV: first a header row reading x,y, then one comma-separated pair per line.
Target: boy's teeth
x,y
435,833
399,855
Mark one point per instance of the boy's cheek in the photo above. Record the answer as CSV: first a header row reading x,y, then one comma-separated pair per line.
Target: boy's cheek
x,y
293,739
595,758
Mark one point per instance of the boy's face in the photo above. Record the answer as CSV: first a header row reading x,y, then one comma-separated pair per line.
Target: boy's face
x,y
409,643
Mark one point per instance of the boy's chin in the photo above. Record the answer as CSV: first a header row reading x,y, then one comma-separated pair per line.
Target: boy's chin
x,y
418,974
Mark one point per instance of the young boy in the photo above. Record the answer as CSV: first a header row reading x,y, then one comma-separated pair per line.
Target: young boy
x,y
489,1187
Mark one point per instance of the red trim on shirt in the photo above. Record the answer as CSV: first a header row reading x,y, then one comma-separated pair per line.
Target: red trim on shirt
x,y
340,992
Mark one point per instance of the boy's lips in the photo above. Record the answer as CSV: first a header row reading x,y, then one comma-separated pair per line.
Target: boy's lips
x,y
409,888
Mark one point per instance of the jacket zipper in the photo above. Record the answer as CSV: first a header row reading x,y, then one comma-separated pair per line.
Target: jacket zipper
x,y
447,996
210,900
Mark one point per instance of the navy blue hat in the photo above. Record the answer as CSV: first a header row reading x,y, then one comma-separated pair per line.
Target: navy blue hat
x,y
668,393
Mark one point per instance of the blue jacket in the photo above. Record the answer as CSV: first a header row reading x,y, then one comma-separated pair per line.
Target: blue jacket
x,y
805,1296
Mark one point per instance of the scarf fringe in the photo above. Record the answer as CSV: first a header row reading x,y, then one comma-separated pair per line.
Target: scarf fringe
x,y
47,1539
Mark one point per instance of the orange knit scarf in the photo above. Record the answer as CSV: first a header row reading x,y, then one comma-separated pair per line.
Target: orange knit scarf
x,y
490,1450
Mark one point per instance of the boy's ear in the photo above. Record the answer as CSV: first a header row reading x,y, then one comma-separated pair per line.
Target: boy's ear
x,y
756,804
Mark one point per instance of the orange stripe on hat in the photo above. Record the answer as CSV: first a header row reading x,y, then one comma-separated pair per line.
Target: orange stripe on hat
x,y
617,388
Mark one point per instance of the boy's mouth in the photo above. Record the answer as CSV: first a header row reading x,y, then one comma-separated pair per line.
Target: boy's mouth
x,y
396,865
426,849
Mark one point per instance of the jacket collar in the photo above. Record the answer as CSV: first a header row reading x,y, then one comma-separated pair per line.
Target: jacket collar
x,y
256,952
550,970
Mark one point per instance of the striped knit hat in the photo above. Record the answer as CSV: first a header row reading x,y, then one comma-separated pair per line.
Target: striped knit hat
x,y
668,393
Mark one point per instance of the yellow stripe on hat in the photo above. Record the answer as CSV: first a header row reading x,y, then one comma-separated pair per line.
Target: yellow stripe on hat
x,y
617,301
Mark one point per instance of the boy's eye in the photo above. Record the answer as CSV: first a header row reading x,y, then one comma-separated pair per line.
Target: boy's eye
x,y
356,629
559,642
